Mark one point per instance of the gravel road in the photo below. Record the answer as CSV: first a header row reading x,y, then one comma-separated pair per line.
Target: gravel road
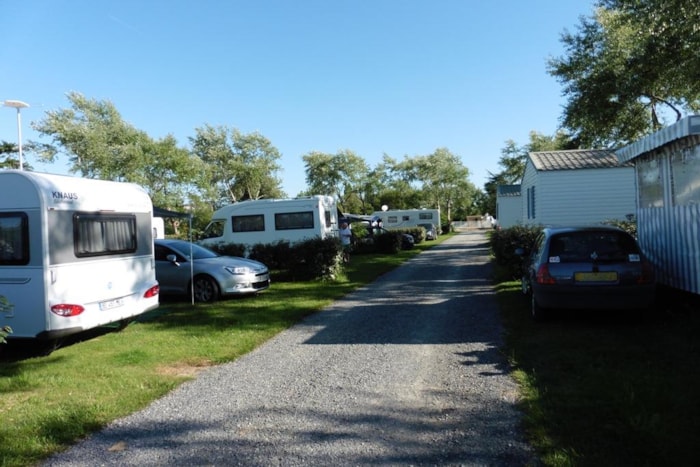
x,y
405,371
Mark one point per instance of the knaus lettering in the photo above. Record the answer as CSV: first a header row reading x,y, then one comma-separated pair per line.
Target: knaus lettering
x,y
64,196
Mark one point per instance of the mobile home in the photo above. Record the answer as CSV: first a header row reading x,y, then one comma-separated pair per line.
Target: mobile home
x,y
272,220
667,167
75,254
408,218
508,206
578,186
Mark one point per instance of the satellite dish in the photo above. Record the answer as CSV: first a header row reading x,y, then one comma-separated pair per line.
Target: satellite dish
x,y
385,207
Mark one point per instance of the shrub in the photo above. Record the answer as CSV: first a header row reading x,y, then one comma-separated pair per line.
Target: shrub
x,y
388,242
274,255
310,259
315,259
504,242
229,249
418,233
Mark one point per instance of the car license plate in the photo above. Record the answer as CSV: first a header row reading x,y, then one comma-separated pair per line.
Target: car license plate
x,y
608,276
109,304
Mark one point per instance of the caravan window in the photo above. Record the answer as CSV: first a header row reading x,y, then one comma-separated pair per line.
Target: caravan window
x,y
96,234
14,239
215,229
255,223
294,220
425,215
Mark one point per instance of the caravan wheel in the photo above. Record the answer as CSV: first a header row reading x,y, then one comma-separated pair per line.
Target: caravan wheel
x,y
205,289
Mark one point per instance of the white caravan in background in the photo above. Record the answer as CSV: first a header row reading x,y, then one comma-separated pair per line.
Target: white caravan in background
x,y
408,218
75,254
272,220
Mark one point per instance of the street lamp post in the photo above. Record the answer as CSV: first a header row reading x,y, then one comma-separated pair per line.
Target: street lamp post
x,y
18,105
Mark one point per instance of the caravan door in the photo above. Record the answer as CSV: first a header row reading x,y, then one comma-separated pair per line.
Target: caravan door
x,y
22,277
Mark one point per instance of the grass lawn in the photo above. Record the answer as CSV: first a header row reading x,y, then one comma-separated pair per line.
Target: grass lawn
x,y
596,390
607,390
47,403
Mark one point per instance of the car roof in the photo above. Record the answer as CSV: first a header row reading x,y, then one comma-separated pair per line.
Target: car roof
x,y
553,230
171,241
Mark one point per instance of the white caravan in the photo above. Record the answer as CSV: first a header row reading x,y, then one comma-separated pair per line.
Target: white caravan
x,y
408,218
272,220
75,254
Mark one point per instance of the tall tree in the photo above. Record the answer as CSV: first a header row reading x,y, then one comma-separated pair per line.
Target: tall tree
x,y
443,178
7,154
629,69
240,166
343,175
513,160
100,144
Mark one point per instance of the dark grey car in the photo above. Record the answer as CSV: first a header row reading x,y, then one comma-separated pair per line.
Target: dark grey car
x,y
587,268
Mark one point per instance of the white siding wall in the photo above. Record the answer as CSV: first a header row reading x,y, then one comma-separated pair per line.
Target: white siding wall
x,y
508,211
580,196
529,180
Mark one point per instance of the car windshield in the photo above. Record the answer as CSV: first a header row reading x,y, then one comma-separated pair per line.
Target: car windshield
x,y
198,252
593,245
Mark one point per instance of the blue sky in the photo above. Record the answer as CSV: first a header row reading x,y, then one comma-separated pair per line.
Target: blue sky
x,y
395,77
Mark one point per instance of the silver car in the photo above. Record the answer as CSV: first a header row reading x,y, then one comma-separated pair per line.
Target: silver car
x,y
587,268
209,276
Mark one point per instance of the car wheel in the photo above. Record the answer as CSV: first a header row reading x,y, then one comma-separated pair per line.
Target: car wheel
x,y
539,314
205,289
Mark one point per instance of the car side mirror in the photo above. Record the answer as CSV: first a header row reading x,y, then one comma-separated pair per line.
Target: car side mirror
x,y
172,259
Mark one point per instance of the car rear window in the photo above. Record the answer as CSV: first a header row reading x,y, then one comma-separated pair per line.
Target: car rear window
x,y
589,246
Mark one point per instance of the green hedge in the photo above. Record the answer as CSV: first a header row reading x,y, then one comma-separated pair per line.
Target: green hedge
x,y
309,259
504,242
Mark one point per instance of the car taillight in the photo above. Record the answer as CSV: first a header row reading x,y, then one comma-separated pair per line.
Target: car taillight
x,y
66,309
152,292
647,275
543,276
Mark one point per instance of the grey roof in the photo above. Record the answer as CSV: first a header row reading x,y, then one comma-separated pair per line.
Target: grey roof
x,y
687,126
574,159
508,190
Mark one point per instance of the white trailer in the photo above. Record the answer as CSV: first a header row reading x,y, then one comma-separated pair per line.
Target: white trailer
x,y
75,254
407,218
272,220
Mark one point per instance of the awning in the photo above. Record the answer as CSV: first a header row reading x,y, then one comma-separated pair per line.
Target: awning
x,y
161,212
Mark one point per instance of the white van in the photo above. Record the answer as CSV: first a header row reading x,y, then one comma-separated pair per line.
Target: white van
x,y
406,218
75,254
271,220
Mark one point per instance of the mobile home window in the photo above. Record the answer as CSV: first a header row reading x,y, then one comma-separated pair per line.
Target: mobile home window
x,y
531,203
425,215
254,223
14,239
392,219
685,170
294,220
96,234
650,183
328,219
